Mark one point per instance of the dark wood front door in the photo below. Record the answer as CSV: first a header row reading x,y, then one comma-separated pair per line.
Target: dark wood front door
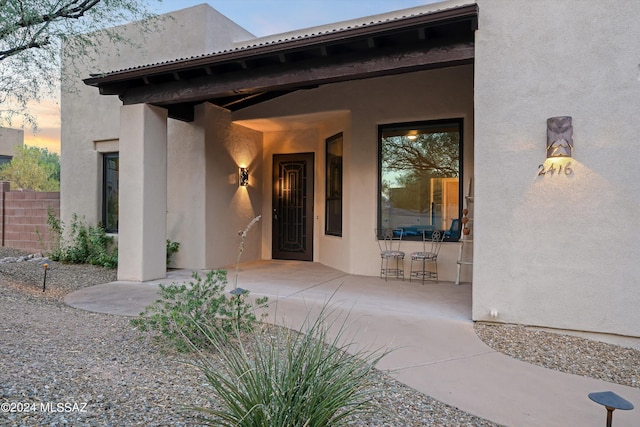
x,y
293,206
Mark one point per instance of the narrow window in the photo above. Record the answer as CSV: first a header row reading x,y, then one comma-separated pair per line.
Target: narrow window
x,y
420,170
333,205
110,183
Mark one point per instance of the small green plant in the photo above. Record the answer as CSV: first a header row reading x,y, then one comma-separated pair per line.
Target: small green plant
x,y
86,244
179,311
181,307
287,378
172,248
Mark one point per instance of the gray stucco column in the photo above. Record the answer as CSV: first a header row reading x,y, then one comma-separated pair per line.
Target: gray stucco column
x,y
142,213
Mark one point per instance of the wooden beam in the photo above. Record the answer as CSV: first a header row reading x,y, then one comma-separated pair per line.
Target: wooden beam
x,y
439,17
292,76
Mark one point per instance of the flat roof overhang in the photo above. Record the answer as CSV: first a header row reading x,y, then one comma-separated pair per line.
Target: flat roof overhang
x,y
242,77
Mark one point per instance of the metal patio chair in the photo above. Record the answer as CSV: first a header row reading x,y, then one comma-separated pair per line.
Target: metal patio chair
x,y
431,242
391,257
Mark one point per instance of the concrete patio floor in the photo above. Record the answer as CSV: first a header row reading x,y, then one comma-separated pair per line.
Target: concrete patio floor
x,y
436,350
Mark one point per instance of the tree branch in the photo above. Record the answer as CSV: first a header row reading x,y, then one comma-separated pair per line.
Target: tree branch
x,y
4,54
71,10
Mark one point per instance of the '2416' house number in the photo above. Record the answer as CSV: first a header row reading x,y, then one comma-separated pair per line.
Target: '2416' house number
x,y
566,169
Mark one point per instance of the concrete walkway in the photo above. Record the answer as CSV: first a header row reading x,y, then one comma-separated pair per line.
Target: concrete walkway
x,y
430,328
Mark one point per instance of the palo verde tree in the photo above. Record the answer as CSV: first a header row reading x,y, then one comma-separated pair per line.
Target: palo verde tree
x,y
32,33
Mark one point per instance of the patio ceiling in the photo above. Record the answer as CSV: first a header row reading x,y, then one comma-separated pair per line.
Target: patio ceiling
x,y
242,77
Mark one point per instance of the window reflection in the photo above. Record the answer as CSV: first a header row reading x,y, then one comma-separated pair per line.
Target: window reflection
x,y
420,172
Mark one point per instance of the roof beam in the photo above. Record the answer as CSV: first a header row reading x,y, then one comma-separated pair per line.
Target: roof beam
x,y
435,18
305,74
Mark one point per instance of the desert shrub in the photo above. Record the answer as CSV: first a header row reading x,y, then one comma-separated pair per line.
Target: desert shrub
x,y
85,244
175,316
287,378
172,248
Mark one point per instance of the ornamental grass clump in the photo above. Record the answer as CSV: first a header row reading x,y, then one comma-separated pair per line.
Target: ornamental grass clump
x,y
288,379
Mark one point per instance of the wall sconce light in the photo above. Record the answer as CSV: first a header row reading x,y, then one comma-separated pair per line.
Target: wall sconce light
x,y
559,137
243,177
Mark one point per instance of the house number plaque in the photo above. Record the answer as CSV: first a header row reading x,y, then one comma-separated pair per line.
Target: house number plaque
x,y
552,169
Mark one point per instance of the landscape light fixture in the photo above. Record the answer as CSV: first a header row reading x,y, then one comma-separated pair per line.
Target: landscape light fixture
x,y
611,402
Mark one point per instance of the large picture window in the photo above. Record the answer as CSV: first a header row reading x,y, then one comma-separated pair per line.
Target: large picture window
x,y
110,184
333,204
420,170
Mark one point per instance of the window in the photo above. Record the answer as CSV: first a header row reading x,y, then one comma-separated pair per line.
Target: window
x,y
333,205
110,183
5,159
420,168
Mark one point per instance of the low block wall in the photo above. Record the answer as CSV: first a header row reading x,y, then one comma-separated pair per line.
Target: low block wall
x,y
23,215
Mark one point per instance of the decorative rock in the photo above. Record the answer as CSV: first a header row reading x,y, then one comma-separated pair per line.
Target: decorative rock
x,y
22,258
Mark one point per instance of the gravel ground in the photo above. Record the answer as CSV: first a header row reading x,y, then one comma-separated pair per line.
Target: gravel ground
x,y
75,368
565,353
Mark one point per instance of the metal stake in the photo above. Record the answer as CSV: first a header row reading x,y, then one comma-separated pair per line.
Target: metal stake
x,y
44,282
238,292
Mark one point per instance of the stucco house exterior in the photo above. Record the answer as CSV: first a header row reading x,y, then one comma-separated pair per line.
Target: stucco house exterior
x,y
397,120
9,139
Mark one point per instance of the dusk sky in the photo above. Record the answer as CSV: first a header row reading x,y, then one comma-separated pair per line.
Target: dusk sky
x,y
260,17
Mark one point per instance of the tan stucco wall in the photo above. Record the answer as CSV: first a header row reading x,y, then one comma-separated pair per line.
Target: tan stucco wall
x,y
142,215
561,250
186,190
229,207
9,140
359,107
88,117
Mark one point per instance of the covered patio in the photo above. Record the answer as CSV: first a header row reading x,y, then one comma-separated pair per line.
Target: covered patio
x,y
193,122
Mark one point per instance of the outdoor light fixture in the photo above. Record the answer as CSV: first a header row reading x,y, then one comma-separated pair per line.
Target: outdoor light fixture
x,y
611,401
559,147
559,137
243,177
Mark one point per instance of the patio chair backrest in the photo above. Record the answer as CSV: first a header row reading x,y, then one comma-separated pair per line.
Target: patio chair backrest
x,y
432,241
389,239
